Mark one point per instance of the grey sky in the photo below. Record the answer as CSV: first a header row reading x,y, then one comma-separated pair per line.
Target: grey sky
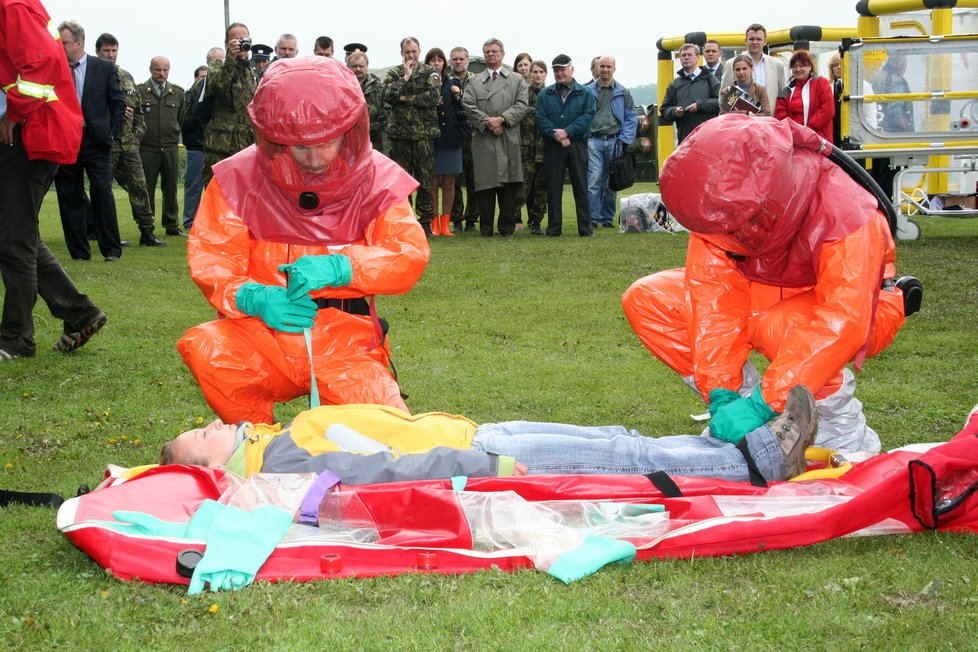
x,y
183,31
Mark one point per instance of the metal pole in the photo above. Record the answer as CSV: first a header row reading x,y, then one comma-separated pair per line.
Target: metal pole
x,y
227,13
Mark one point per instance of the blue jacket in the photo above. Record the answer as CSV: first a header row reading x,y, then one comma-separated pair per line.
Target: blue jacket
x,y
574,116
622,107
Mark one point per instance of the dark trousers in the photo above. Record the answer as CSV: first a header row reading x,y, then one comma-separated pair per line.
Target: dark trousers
x,y
471,208
417,157
70,182
163,164
27,266
193,186
556,159
506,194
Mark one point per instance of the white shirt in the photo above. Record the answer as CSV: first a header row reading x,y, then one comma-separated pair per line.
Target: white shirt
x,y
760,72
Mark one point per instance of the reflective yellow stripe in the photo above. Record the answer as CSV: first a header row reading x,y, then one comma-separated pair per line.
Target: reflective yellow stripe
x,y
53,30
40,91
8,87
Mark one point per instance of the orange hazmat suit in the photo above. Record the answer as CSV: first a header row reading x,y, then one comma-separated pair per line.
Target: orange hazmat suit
x,y
262,210
787,256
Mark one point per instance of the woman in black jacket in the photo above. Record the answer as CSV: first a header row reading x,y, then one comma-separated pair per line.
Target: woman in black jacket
x,y
448,146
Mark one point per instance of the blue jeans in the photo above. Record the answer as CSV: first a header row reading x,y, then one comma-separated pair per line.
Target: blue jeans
x,y
601,199
563,449
193,185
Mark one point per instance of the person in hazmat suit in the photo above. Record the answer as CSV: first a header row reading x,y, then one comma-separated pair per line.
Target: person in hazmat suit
x,y
294,237
788,256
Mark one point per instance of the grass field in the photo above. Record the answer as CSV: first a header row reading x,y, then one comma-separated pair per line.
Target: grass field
x,y
496,329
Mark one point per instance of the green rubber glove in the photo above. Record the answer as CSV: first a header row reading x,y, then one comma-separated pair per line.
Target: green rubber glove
x,y
720,397
143,523
271,304
238,543
311,273
736,418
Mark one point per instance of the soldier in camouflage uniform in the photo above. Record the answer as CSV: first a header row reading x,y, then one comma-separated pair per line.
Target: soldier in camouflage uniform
x,y
126,164
373,91
533,193
470,214
231,84
412,92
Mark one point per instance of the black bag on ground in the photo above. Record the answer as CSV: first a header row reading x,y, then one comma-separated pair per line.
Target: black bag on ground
x,y
621,172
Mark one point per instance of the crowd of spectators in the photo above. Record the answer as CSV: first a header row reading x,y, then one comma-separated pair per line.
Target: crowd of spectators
x,y
473,136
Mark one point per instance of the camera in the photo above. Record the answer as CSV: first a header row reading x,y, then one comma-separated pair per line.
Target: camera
x,y
244,44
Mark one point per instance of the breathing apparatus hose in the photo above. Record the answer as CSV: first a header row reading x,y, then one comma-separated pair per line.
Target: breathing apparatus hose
x,y
861,176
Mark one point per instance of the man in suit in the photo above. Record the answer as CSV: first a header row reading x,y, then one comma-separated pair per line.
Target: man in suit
x,y
162,104
711,58
103,108
769,72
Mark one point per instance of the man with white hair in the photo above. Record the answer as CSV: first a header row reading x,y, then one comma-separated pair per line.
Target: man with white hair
x,y
286,47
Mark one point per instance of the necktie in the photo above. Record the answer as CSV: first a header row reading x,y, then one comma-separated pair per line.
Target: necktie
x,y
494,73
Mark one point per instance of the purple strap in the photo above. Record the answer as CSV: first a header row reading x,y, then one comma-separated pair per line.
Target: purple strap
x,y
309,512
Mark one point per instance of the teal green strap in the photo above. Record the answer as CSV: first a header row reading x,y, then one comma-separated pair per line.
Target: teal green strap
x,y
313,387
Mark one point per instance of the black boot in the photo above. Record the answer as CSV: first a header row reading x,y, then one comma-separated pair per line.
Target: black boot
x,y
148,239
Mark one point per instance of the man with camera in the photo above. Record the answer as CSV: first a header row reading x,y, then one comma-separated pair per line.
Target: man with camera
x,y
231,84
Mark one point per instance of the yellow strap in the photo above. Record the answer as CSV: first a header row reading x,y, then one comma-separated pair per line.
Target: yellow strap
x,y
819,454
129,474
820,474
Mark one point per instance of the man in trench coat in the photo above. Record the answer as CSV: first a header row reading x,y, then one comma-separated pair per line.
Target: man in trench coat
x,y
495,103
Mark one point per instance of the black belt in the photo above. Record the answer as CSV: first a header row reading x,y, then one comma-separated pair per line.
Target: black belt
x,y
604,137
358,306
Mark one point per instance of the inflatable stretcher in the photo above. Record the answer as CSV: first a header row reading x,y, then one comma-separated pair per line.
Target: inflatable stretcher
x,y
428,526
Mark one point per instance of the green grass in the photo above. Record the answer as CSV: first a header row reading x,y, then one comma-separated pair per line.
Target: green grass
x,y
523,328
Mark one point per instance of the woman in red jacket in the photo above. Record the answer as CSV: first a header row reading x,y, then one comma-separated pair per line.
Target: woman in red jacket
x,y
807,99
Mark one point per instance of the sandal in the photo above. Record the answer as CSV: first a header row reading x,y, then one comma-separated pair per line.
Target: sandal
x,y
73,341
